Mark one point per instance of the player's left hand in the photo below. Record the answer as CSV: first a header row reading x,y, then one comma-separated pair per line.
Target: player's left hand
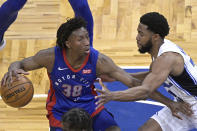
x,y
182,107
105,95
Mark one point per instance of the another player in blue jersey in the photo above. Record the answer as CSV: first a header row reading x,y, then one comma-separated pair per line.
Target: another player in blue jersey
x,y
77,119
8,14
71,81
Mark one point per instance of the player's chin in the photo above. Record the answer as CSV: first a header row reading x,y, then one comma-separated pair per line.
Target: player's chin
x,y
139,46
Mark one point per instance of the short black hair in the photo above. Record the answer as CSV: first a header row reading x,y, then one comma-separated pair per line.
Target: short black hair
x,y
156,23
67,28
78,119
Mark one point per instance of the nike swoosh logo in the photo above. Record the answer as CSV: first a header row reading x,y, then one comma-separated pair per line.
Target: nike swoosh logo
x,y
60,69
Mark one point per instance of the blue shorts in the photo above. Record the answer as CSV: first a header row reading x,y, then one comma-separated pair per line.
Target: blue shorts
x,y
55,129
101,122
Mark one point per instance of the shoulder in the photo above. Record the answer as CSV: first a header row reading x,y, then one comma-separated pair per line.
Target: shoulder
x,y
168,58
171,62
169,46
103,58
45,56
46,52
105,64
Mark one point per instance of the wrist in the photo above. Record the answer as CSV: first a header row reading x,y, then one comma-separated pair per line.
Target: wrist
x,y
169,103
113,96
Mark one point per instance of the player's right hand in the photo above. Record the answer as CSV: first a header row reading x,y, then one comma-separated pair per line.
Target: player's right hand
x,y
7,78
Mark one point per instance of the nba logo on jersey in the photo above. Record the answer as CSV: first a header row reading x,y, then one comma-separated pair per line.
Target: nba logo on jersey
x,y
87,71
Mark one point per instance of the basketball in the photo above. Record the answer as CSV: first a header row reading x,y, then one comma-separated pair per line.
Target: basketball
x,y
19,93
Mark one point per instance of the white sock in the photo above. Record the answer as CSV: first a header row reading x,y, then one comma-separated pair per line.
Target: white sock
x,y
2,44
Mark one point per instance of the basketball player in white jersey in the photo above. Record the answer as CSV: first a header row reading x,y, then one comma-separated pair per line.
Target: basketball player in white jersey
x,y
171,66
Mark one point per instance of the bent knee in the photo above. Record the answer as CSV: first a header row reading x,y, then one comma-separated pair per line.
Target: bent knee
x,y
150,125
142,128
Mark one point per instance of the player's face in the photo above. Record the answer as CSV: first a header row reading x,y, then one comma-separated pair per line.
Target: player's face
x,y
144,39
79,41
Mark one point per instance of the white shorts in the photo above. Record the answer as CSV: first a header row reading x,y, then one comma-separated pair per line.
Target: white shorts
x,y
2,44
170,123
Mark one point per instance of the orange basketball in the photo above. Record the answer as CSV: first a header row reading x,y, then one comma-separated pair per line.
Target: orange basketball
x,y
19,93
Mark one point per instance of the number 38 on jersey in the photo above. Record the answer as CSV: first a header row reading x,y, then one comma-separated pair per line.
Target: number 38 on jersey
x,y
72,91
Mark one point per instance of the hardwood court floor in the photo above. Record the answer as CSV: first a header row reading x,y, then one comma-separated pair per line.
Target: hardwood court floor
x,y
29,118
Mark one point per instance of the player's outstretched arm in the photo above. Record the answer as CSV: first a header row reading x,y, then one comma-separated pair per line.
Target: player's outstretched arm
x,y
175,107
147,90
81,8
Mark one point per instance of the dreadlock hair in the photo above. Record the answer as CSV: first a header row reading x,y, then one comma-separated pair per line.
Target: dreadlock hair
x,y
156,23
78,119
66,29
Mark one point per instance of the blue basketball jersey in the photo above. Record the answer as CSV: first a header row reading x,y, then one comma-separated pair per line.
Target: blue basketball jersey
x,y
70,87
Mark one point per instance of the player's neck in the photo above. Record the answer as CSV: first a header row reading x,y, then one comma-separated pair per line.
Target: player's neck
x,y
155,49
74,59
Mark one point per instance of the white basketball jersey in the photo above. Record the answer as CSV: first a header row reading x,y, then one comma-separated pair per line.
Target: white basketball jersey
x,y
183,86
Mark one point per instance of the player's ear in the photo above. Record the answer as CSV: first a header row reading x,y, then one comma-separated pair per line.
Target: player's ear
x,y
67,43
155,36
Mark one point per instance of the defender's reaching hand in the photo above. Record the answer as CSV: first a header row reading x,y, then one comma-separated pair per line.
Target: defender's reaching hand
x,y
105,95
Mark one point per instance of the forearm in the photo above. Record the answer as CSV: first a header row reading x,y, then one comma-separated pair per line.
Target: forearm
x,y
131,94
139,75
135,82
81,8
157,96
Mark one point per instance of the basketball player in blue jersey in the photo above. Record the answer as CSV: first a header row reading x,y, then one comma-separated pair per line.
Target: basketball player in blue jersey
x,y
72,67
171,66
8,14
69,98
